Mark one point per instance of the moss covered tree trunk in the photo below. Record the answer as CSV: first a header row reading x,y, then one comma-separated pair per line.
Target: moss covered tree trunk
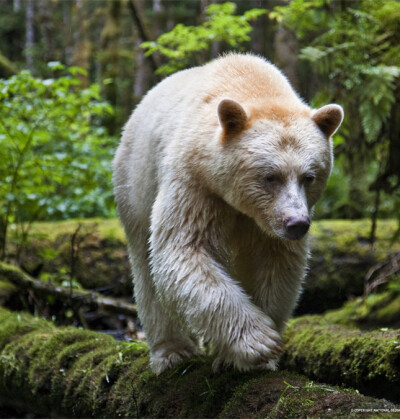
x,y
368,361
77,373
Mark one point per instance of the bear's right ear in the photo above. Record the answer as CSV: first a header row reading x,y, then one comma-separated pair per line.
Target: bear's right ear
x,y
232,117
328,118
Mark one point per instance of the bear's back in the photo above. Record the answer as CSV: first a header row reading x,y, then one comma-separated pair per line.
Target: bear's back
x,y
247,77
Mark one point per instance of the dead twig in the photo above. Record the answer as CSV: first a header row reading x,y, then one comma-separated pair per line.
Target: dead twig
x,y
381,272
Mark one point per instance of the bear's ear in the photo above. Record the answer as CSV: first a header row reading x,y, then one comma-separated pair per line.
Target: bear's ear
x,y
232,117
328,118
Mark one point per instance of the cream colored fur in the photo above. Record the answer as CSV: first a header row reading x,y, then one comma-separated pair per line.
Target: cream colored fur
x,y
212,164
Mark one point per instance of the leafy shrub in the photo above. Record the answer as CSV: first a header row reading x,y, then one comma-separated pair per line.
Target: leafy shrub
x,y
55,155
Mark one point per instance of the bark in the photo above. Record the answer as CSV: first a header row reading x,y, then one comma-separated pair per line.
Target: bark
x,y
82,46
67,33
111,50
286,54
141,74
16,5
69,372
134,8
46,24
30,35
159,18
77,299
368,361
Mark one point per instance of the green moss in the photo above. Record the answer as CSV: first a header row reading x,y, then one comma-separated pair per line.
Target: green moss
x,y
273,396
375,310
51,230
315,401
368,361
69,368
346,235
78,373
7,290
14,325
6,287
351,236
257,397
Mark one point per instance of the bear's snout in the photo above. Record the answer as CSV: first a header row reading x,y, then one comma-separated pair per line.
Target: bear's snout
x,y
297,226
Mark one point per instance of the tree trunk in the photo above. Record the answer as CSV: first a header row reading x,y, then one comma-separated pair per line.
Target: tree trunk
x,y
17,5
110,50
81,49
71,372
286,53
46,24
137,16
141,76
30,34
67,35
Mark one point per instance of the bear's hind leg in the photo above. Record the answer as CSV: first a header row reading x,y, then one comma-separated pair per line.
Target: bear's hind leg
x,y
169,343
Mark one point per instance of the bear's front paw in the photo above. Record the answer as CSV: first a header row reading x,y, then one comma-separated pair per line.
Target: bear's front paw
x,y
257,347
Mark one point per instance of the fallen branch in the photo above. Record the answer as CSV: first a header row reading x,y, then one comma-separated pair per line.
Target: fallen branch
x,y
90,299
368,361
384,271
7,66
72,372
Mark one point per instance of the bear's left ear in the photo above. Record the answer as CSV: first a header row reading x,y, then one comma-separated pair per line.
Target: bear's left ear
x,y
328,118
232,117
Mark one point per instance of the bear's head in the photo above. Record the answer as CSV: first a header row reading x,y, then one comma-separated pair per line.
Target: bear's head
x,y
276,162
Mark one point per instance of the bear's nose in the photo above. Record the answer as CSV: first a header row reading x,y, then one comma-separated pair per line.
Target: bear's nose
x,y
297,227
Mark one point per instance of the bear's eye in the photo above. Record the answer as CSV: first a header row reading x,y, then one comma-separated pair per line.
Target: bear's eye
x,y
309,178
271,178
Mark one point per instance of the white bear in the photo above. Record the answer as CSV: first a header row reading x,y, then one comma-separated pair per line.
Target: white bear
x,y
216,176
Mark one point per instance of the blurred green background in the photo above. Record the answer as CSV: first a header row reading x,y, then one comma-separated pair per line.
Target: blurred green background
x,y
72,71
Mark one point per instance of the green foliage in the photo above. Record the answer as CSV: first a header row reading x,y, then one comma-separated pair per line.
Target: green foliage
x,y
55,155
336,193
355,47
357,51
302,16
183,42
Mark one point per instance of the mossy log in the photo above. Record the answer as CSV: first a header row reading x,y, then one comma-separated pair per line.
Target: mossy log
x,y
368,361
99,259
93,300
71,372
